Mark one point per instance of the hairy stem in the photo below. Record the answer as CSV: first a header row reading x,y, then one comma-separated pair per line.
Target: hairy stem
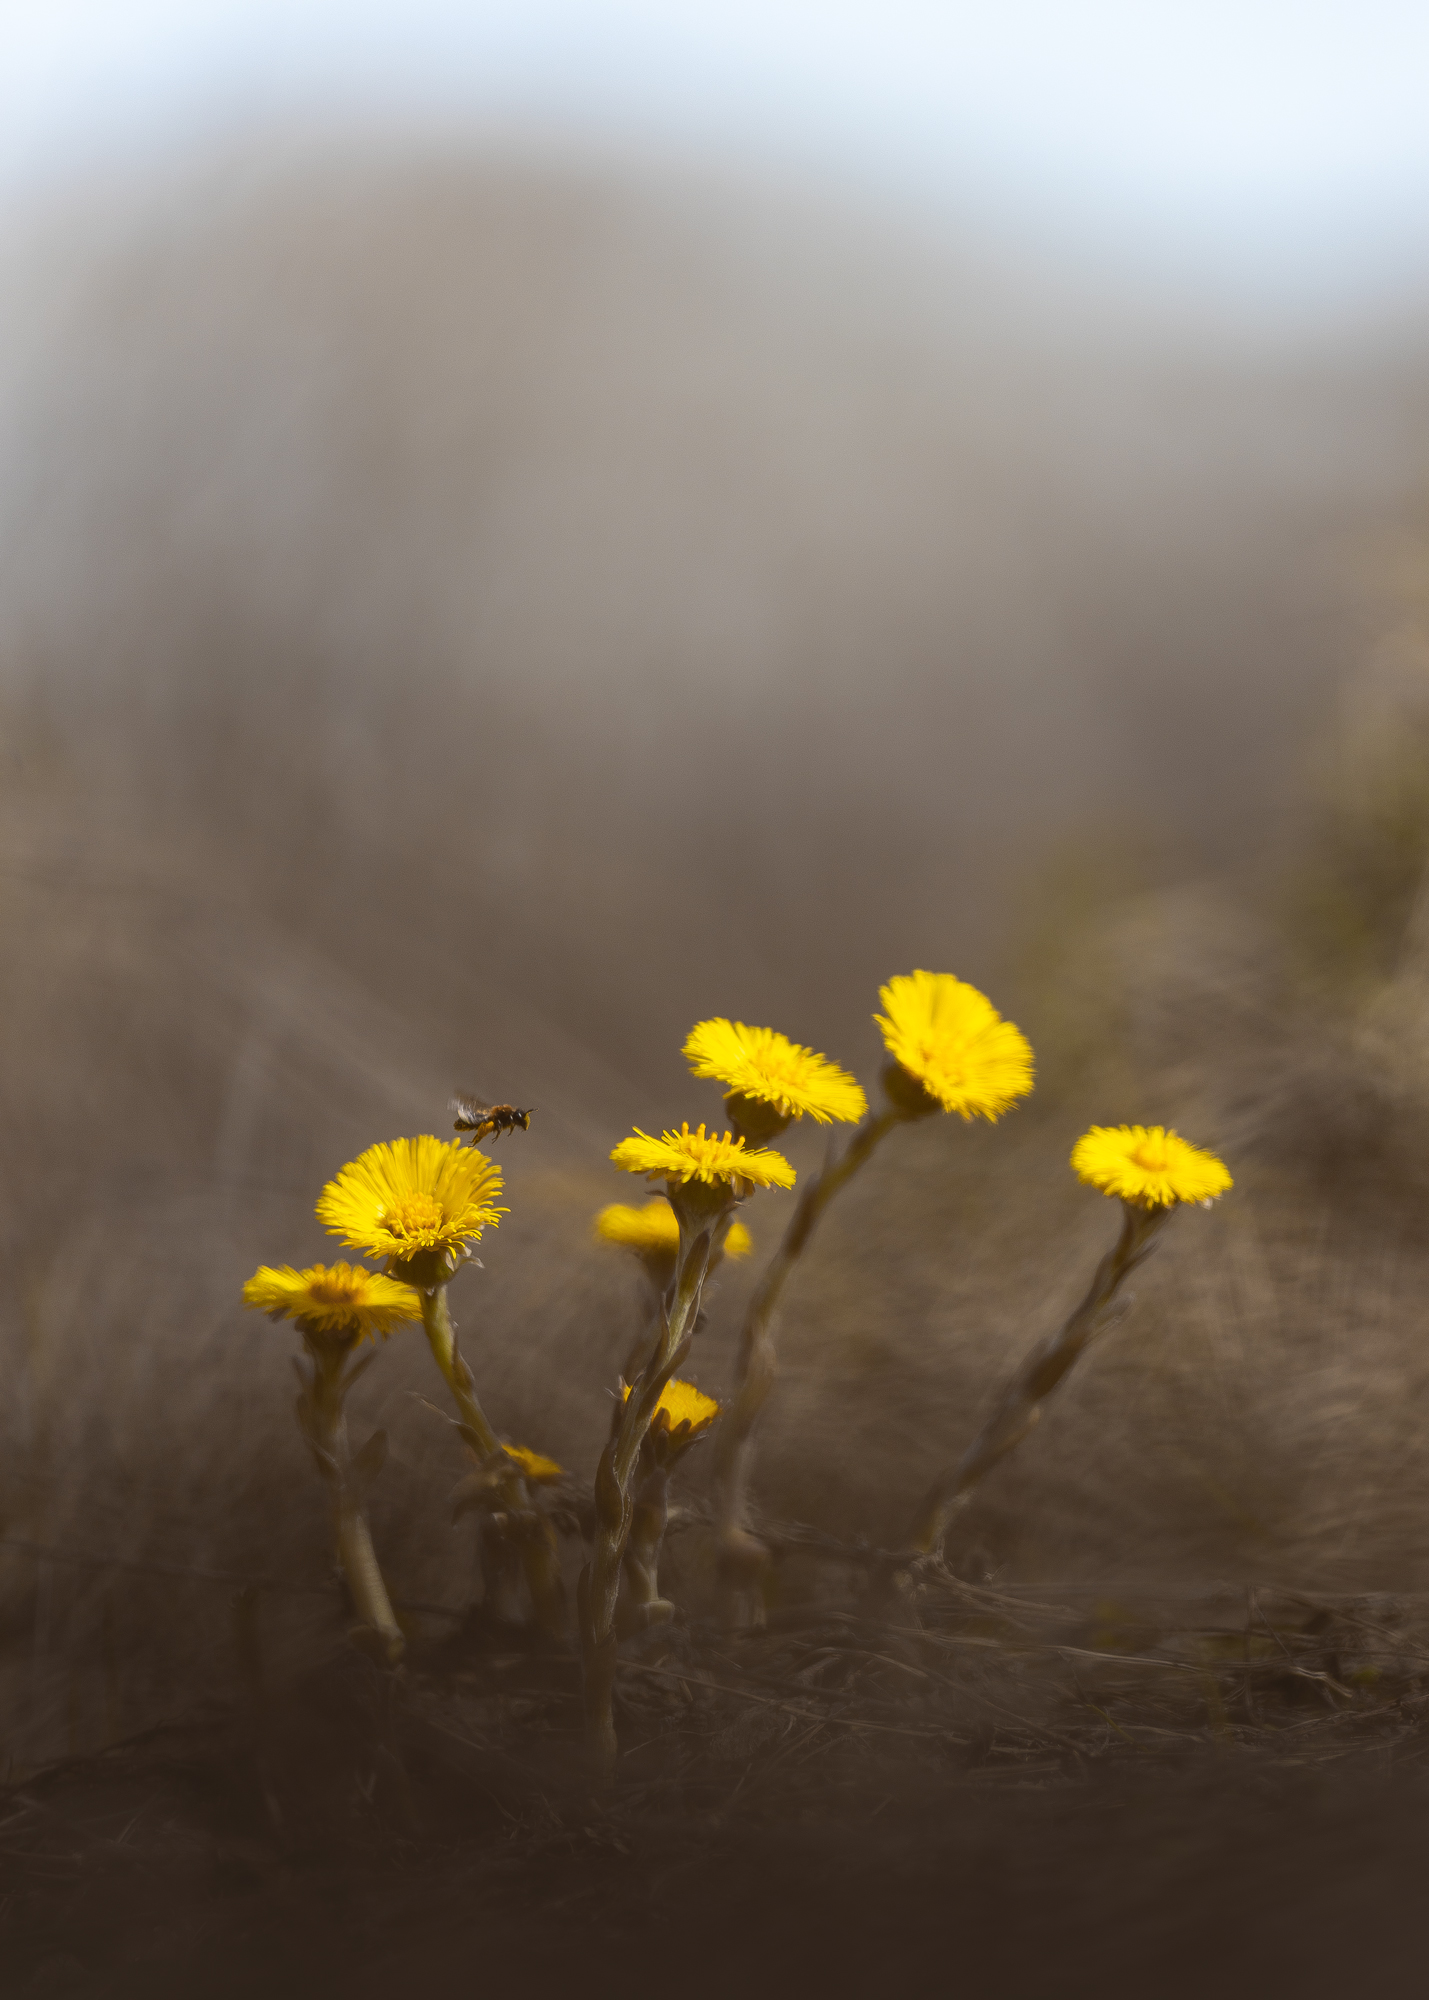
x,y
614,1505
743,1556
1020,1404
517,1537
323,1417
441,1337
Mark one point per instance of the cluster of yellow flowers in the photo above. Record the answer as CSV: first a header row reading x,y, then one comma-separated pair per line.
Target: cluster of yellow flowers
x,y
409,1196
421,1205
946,1041
395,1201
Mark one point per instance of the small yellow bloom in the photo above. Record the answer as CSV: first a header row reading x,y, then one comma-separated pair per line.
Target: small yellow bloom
x,y
414,1194
337,1298
532,1463
954,1042
1147,1165
687,1156
654,1231
767,1066
681,1403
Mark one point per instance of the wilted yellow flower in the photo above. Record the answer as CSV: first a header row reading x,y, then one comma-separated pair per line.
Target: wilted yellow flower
x,y
687,1156
412,1194
532,1463
680,1403
1147,1165
952,1039
336,1298
767,1066
654,1231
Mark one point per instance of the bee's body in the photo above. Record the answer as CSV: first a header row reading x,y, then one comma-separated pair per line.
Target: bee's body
x,y
488,1121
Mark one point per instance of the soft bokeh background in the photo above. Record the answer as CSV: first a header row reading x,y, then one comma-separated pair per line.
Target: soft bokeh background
x,y
520,529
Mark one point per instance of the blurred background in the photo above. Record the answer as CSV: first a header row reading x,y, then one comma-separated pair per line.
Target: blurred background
x,y
523,528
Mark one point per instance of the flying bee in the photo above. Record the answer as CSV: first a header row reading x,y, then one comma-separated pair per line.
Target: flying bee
x,y
487,1121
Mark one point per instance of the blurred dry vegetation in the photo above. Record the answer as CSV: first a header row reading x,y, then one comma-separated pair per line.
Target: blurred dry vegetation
x,y
462,622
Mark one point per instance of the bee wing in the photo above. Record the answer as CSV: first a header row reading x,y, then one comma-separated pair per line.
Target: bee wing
x,y
470,1111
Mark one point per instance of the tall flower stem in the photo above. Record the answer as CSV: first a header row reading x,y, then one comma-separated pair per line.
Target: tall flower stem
x,y
743,1557
1019,1405
513,1530
702,1211
323,1417
441,1338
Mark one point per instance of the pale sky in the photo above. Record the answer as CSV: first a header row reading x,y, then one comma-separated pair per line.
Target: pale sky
x,y
1272,147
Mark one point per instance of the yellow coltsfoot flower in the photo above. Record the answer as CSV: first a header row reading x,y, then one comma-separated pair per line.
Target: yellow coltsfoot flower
x,y
536,1468
681,1403
653,1231
952,1042
767,1069
337,1298
1148,1166
412,1196
699,1156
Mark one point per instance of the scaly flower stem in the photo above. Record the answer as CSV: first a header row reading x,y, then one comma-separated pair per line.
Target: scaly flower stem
x,y
614,1504
441,1337
517,1532
743,1556
1020,1403
324,1421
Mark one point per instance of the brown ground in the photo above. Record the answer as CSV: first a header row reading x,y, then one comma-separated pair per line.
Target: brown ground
x,y
991,1795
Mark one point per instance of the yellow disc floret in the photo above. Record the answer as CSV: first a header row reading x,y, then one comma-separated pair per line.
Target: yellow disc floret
x,y
335,1298
411,1195
765,1065
682,1403
953,1041
688,1156
532,1463
654,1231
1147,1165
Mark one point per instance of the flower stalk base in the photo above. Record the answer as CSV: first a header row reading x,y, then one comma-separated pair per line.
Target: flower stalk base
x,y
322,1418
1019,1406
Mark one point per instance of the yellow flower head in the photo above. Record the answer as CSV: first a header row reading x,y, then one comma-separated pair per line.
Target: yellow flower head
x,y
412,1195
654,1231
764,1065
687,1156
953,1041
336,1298
532,1463
680,1403
1147,1165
